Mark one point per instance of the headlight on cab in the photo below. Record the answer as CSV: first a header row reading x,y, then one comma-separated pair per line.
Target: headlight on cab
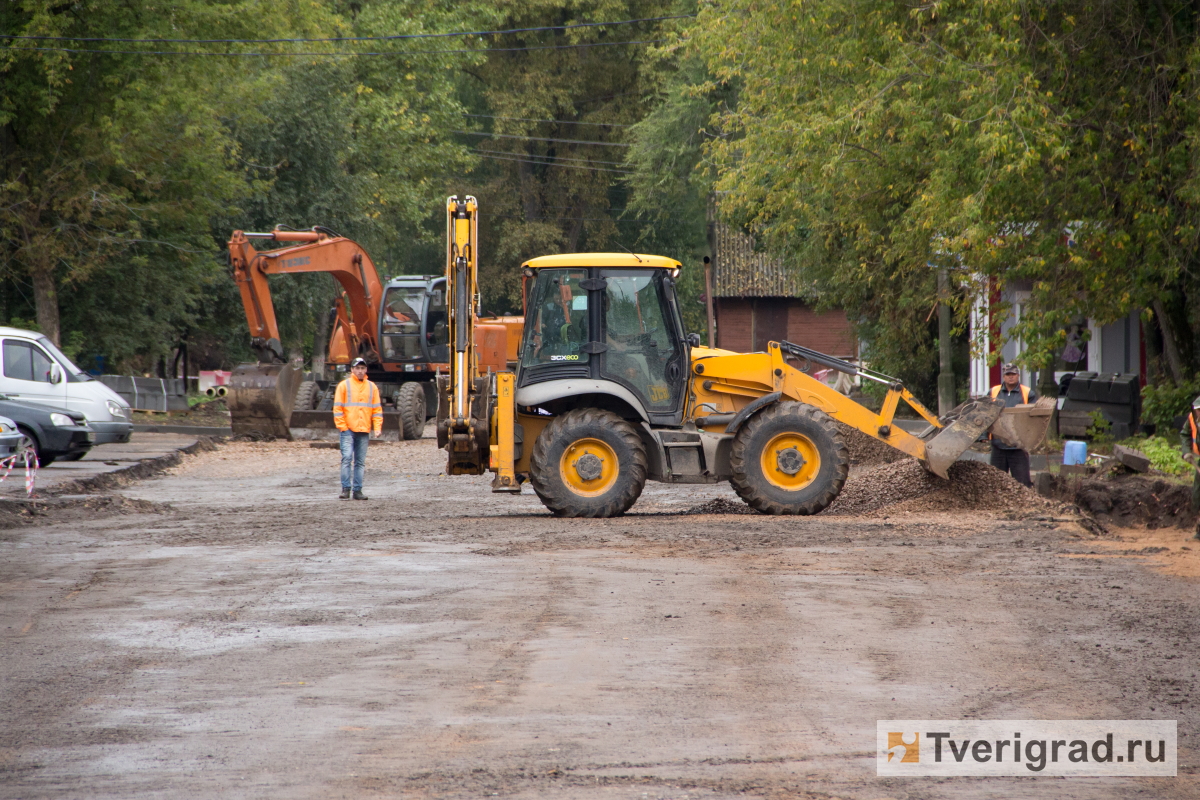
x,y
117,410
61,420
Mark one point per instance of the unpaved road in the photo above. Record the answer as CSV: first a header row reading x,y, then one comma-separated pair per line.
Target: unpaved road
x,y
232,630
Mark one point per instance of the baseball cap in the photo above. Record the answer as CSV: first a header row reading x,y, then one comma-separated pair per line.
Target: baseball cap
x,y
358,361
1011,369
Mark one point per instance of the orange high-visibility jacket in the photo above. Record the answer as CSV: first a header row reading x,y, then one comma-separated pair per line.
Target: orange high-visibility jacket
x,y
356,406
1024,392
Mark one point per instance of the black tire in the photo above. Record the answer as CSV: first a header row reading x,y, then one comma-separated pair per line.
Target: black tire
x,y
307,396
29,441
791,483
410,402
602,435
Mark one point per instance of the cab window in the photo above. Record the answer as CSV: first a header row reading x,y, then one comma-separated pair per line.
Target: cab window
x,y
641,346
556,324
24,362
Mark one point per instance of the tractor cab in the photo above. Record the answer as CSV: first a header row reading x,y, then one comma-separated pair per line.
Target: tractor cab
x,y
605,324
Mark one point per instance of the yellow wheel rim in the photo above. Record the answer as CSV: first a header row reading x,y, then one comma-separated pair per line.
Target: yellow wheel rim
x,y
790,461
588,467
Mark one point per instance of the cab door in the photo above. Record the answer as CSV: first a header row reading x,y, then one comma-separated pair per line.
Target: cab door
x,y
30,374
642,350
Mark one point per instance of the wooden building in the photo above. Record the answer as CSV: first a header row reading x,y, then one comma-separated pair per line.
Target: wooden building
x,y
756,299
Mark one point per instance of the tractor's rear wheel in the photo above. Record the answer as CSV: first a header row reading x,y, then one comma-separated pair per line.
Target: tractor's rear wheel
x,y
789,459
410,402
588,463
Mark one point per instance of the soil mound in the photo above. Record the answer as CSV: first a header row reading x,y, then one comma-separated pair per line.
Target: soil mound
x,y
1130,500
906,486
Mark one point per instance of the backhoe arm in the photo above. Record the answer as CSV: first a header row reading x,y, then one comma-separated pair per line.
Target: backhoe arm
x,y
315,251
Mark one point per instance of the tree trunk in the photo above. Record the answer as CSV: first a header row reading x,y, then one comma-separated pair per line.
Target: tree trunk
x,y
1170,343
320,343
45,297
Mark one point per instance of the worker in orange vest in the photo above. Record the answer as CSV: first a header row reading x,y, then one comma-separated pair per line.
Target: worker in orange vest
x,y
357,411
1190,436
1012,460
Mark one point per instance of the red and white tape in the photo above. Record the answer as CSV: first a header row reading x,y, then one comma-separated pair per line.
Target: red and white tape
x,y
31,467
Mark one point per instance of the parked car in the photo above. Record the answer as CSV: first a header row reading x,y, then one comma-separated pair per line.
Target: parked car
x,y
52,432
33,370
10,437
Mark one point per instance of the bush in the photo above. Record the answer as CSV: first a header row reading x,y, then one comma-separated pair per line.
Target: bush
x,y
1162,404
1164,453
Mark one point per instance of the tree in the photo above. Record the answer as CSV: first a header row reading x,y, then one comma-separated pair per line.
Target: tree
x,y
1043,142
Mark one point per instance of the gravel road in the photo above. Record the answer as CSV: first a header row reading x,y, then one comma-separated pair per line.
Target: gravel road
x,y
230,629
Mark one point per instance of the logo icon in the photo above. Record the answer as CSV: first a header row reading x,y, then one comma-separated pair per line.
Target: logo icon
x,y
908,752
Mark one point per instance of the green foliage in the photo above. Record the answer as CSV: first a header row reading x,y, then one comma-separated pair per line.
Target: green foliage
x,y
1164,454
1162,404
1100,430
867,140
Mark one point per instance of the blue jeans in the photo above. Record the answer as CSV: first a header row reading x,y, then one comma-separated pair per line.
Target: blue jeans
x,y
354,456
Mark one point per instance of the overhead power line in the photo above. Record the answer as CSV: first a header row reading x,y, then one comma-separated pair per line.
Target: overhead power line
x,y
324,55
550,159
539,138
557,121
553,164
390,38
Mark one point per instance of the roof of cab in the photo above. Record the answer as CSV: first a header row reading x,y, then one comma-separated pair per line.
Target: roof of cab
x,y
623,260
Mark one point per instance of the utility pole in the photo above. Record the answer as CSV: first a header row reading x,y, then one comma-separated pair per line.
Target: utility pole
x,y
946,393
708,302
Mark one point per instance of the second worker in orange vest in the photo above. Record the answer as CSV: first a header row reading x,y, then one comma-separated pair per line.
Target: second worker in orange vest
x,y
1012,460
357,412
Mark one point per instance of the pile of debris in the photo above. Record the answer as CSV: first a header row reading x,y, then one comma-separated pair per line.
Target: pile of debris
x,y
867,450
973,486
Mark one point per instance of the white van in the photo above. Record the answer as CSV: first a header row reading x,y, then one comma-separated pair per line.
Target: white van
x,y
33,370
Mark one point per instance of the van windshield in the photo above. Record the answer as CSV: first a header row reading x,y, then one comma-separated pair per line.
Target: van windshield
x,y
75,373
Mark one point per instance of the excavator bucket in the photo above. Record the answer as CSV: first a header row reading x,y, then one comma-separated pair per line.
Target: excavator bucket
x,y
261,397
1024,426
969,421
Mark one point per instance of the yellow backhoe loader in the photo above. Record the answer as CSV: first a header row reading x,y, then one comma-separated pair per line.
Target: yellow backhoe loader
x,y
611,392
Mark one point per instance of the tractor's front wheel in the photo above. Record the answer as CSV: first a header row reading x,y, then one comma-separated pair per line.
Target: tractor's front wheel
x,y
789,459
588,463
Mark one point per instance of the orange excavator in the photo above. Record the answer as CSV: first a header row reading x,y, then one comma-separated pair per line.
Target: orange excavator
x,y
399,327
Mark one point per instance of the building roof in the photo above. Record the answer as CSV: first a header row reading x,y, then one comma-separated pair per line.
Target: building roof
x,y
622,260
740,271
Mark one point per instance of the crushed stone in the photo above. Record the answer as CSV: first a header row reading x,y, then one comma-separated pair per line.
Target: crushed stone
x,y
867,450
906,486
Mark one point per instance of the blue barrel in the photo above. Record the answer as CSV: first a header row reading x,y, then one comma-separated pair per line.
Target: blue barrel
x,y
1074,453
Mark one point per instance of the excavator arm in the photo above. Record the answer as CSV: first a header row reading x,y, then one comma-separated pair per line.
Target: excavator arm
x,y
262,395
315,251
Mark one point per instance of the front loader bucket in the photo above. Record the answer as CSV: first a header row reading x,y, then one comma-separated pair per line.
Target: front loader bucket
x,y
1024,426
261,397
970,421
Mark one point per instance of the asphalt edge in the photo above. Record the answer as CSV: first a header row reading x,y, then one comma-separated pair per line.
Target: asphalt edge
x,y
146,468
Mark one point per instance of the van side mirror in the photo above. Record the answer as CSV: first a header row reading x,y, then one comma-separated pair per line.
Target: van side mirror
x,y
55,374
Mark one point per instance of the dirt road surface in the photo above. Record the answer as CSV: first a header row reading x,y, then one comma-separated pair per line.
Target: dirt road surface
x,y
230,629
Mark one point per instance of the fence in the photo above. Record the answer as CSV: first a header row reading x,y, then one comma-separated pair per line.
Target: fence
x,y
149,394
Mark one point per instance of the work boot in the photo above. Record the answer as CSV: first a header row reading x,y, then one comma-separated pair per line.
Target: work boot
x,y
345,495
359,496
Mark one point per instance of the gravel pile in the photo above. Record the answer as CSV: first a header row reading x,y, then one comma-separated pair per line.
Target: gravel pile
x,y
867,450
720,505
906,486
